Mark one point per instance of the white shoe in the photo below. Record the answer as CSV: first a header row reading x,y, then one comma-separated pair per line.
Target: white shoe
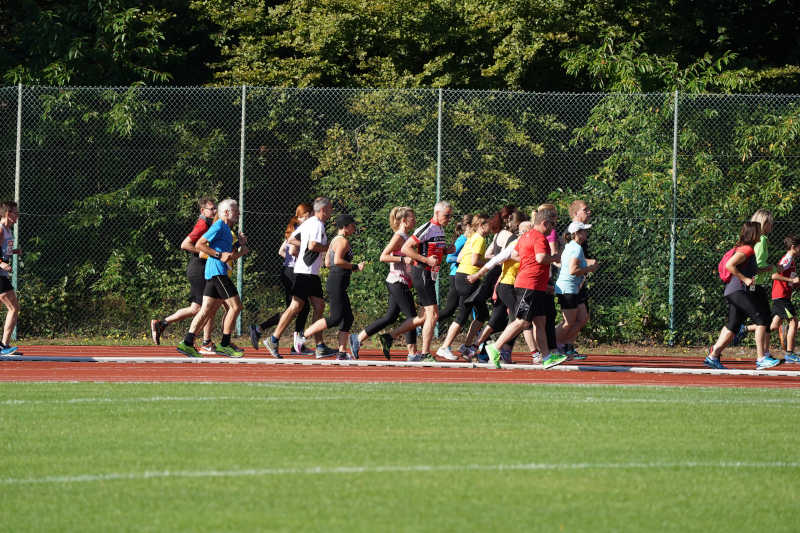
x,y
298,342
444,351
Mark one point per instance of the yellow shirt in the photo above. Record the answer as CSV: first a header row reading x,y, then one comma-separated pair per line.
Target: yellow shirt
x,y
510,269
475,245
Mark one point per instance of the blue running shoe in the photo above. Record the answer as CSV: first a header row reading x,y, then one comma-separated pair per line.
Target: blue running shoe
x,y
713,362
7,350
767,362
739,336
255,336
355,345
791,358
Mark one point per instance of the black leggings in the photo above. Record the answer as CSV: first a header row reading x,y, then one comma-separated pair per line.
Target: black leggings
x,y
287,280
506,303
400,301
743,304
339,301
466,304
452,301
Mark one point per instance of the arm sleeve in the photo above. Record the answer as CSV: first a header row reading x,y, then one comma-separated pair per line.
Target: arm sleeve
x,y
503,256
197,231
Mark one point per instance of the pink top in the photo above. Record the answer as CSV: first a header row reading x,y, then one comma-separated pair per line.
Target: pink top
x,y
552,237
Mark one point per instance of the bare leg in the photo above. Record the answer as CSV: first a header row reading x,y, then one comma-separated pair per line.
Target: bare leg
x,y
9,299
288,315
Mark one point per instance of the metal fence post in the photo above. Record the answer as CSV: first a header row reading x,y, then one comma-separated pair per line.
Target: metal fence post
x,y
17,173
438,187
673,232
240,262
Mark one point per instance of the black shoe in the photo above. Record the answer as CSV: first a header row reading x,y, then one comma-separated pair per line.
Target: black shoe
x,y
386,341
254,336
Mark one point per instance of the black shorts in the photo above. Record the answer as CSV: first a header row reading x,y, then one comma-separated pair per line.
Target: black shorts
x,y
5,285
424,285
784,308
583,296
569,301
531,303
743,304
307,285
220,287
197,287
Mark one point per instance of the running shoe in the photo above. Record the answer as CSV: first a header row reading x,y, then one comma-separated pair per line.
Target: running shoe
x,y
355,345
272,347
7,350
554,359
322,351
713,362
428,358
468,352
791,358
208,349
573,354
342,356
494,355
229,351
505,356
386,341
739,336
536,358
444,351
188,349
156,329
482,357
298,342
254,336
414,358
767,362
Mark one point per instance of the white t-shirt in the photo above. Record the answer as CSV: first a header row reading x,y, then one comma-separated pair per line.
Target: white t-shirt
x,y
312,229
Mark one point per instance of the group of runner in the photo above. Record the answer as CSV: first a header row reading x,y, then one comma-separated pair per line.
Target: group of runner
x,y
507,258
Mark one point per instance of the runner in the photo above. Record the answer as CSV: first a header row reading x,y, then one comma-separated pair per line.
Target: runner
x,y
464,231
289,254
195,272
743,301
783,283
533,302
9,214
398,283
427,247
218,244
312,243
339,260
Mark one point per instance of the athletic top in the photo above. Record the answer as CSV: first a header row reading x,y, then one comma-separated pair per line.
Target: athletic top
x,y
8,247
568,283
510,267
760,249
475,245
431,243
532,274
399,272
220,238
453,258
288,259
337,272
786,268
309,262
197,265
748,268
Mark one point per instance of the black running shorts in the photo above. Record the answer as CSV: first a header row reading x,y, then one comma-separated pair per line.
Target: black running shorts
x,y
220,287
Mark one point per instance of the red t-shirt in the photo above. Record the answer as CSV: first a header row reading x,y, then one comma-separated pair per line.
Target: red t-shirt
x,y
199,229
532,275
782,289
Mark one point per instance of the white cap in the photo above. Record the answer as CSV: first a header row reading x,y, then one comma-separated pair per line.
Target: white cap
x,y
577,226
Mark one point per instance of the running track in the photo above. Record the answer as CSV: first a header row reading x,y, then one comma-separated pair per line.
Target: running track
x,y
161,366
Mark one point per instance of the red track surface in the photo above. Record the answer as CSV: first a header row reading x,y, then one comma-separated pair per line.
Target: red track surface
x,y
194,371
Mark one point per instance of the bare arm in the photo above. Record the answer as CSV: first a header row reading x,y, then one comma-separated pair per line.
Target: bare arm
x,y
393,245
733,267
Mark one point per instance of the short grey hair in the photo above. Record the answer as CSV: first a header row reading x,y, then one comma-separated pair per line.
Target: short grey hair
x,y
321,203
441,205
226,204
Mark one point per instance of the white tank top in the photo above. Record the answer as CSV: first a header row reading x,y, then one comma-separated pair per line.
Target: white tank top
x,y
399,272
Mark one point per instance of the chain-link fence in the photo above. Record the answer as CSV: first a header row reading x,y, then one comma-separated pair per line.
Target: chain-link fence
x,y
109,179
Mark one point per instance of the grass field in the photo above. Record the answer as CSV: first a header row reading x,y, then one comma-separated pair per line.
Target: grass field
x,y
246,457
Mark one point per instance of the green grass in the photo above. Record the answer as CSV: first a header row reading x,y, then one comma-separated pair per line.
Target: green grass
x,y
377,457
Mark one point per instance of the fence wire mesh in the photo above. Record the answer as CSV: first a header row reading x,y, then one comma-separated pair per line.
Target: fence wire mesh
x,y
110,178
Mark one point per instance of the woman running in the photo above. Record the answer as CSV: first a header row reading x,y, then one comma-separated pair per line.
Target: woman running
x,y
289,255
574,268
743,301
464,231
339,260
402,220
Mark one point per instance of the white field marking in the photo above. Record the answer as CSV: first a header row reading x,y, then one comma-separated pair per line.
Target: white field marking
x,y
322,470
487,398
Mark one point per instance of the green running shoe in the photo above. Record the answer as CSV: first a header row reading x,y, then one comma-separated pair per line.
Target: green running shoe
x,y
428,358
189,350
494,355
386,341
554,359
229,351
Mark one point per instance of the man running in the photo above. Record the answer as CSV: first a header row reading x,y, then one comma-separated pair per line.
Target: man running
x,y
9,214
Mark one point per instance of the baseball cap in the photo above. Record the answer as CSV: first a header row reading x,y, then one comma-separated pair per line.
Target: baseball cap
x,y
577,226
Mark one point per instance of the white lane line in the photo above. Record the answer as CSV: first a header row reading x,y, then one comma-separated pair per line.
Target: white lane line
x,y
321,470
